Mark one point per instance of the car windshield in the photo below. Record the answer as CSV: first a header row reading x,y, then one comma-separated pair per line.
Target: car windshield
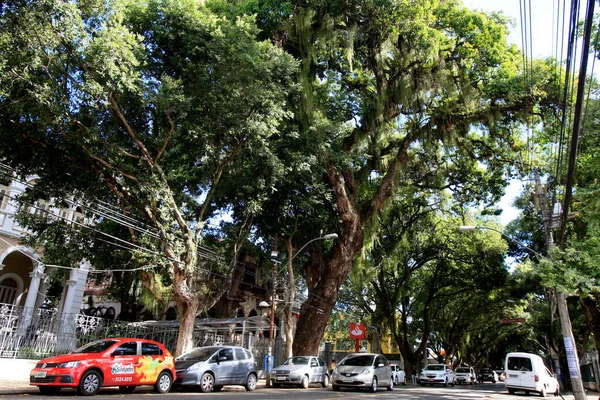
x,y
297,361
435,367
198,354
486,370
462,370
358,361
99,346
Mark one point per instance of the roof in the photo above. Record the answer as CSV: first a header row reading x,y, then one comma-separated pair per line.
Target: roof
x,y
214,324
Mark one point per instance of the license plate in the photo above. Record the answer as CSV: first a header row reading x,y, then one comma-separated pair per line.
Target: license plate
x,y
431,380
281,378
347,380
40,374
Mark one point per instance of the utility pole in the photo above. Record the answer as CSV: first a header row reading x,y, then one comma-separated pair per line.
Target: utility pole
x,y
561,301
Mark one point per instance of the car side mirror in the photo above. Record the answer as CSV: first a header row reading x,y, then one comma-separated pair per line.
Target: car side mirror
x,y
380,365
117,353
222,359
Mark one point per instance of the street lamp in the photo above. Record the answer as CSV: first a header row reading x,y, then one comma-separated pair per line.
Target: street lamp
x,y
264,304
472,228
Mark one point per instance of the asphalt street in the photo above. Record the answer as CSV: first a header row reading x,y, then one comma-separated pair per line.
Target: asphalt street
x,y
481,391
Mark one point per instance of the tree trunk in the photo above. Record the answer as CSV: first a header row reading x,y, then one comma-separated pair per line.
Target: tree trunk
x,y
187,305
324,282
289,322
315,311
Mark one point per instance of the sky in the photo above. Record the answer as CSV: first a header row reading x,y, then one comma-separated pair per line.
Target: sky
x,y
543,18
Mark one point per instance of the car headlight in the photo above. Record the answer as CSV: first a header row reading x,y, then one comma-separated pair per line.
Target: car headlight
x,y
335,372
365,371
69,364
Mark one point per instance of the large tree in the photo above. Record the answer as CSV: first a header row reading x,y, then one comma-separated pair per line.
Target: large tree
x,y
147,105
382,83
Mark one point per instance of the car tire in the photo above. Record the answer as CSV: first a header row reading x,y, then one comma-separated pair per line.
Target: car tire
x,y
452,383
217,388
404,383
390,387
126,389
90,383
207,382
276,385
374,385
163,382
49,390
543,393
325,382
511,391
446,383
304,382
336,388
251,381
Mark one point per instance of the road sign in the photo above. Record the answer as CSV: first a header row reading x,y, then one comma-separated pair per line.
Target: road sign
x,y
512,320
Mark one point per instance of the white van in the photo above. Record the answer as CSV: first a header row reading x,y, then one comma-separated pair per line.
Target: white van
x,y
527,372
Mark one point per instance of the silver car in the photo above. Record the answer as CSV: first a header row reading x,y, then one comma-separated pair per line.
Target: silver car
x,y
301,371
363,370
211,368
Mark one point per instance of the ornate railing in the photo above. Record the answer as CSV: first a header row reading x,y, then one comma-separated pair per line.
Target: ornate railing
x,y
38,333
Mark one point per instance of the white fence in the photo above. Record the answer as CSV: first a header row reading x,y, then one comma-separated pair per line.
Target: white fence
x,y
39,333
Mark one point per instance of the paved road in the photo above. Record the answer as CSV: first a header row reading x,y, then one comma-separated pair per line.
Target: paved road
x,y
482,391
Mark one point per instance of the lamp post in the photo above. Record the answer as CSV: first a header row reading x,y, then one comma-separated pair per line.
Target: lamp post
x,y
565,321
264,304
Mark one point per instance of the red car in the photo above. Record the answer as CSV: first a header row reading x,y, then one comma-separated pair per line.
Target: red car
x,y
122,362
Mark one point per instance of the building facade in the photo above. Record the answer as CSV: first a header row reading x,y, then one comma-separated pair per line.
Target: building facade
x,y
23,276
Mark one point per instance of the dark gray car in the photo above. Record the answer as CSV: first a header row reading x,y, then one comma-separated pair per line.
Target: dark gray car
x,y
210,368
363,370
301,371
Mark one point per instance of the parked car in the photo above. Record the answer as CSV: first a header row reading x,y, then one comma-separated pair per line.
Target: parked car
x,y
398,374
526,372
301,371
437,374
363,370
465,375
487,374
122,362
211,368
501,374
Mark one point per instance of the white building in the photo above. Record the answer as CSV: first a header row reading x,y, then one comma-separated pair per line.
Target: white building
x,y
22,274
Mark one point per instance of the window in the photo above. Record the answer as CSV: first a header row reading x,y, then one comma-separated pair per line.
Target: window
x,y
239,354
128,349
226,355
4,197
8,291
248,354
519,364
151,349
321,362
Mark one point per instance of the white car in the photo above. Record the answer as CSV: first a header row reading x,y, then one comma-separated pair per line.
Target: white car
x,y
398,374
440,374
526,372
465,375
301,371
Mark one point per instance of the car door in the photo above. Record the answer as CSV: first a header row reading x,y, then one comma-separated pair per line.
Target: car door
x,y
152,362
314,375
223,366
323,370
383,372
123,361
242,366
